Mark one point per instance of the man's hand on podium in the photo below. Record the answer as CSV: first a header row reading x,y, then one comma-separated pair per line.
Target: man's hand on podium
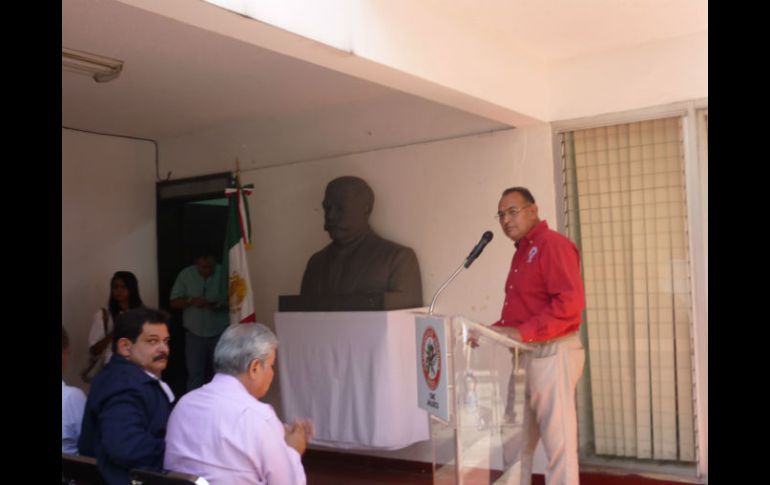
x,y
511,332
473,338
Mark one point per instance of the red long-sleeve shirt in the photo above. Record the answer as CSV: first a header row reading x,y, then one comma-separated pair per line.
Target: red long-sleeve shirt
x,y
544,296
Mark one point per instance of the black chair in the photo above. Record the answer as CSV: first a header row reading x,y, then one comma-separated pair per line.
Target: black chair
x,y
82,470
79,470
146,477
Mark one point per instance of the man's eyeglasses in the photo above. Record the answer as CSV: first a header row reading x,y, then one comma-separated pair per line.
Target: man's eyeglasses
x,y
511,211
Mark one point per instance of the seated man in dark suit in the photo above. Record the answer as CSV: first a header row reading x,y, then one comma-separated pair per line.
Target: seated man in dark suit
x,y
124,424
358,261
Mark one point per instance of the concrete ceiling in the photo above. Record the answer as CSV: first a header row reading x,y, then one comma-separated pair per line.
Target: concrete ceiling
x,y
178,79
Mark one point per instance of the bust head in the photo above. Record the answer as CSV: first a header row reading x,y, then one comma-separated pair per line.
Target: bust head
x,y
358,262
347,205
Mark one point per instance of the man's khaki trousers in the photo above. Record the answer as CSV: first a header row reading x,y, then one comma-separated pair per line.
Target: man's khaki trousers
x,y
552,373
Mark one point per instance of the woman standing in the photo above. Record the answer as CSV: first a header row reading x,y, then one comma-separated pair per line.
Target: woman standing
x,y
124,295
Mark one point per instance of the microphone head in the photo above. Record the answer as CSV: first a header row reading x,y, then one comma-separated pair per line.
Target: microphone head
x,y
485,238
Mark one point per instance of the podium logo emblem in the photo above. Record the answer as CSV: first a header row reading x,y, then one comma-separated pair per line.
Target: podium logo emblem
x,y
431,358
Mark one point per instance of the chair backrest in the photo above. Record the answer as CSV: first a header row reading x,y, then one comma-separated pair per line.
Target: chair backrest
x,y
82,470
79,470
146,477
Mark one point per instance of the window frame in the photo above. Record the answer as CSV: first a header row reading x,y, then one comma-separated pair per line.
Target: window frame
x,y
696,189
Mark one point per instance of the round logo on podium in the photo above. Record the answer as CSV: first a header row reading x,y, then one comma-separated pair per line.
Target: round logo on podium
x,y
431,358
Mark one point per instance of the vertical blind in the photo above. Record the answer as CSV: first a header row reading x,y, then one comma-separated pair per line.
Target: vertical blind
x,y
626,210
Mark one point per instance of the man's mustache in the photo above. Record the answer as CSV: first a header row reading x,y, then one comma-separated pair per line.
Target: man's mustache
x,y
158,357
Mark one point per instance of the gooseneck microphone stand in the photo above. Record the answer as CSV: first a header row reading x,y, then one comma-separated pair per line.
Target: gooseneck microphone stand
x,y
446,283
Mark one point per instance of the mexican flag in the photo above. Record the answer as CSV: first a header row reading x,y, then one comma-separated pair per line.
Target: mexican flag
x,y
237,242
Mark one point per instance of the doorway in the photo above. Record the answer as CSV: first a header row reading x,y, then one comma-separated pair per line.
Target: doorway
x,y
191,217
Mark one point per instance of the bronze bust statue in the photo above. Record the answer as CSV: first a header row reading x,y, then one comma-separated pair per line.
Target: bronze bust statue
x,y
358,261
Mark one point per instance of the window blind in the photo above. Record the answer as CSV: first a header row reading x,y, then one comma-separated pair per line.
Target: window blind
x,y
626,210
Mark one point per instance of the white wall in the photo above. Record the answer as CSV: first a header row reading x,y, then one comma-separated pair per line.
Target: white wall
x,y
108,224
386,42
447,50
652,74
437,198
322,133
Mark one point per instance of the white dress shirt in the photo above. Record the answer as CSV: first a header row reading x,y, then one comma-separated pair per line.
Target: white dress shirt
x,y
223,434
73,401
165,387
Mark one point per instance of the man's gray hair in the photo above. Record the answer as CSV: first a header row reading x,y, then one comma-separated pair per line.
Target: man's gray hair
x,y
240,344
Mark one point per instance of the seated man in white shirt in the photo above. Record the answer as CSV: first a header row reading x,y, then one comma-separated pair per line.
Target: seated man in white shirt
x,y
221,432
73,401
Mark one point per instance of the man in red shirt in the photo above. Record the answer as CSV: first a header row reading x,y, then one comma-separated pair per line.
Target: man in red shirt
x,y
544,301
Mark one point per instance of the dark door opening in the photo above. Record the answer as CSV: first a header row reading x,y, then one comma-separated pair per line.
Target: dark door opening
x,y
191,216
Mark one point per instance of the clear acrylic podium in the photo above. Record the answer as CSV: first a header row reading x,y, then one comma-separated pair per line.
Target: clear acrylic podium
x,y
480,442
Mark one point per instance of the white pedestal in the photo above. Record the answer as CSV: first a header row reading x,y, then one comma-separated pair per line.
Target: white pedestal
x,y
353,373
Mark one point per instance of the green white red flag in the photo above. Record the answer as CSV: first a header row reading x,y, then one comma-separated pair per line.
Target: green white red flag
x,y
237,242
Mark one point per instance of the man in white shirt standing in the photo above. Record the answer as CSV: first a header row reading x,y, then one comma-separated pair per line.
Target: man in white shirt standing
x,y
73,401
223,433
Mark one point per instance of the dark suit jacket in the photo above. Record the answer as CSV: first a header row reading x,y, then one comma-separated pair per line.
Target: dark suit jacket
x,y
124,423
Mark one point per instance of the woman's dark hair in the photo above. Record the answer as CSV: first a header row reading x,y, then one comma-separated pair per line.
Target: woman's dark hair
x,y
134,300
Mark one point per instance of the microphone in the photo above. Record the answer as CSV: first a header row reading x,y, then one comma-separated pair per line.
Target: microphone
x,y
485,238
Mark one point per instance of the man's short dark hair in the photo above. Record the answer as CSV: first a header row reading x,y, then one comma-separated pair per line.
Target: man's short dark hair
x,y
129,324
523,191
206,253
65,339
